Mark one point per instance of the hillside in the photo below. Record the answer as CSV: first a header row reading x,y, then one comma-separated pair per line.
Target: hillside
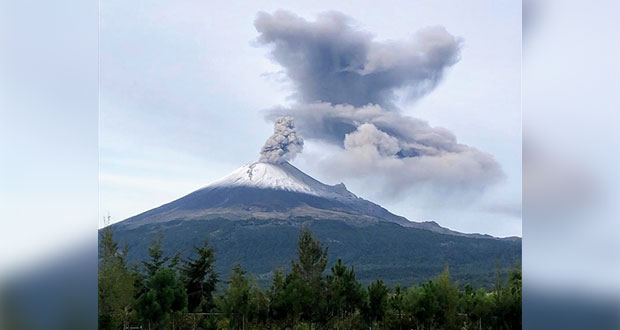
x,y
253,215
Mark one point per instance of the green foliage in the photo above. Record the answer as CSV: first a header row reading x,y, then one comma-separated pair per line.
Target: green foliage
x,y
200,279
279,312
312,258
377,302
304,298
157,258
396,254
162,296
506,299
238,301
115,285
344,294
164,299
307,276
396,308
441,299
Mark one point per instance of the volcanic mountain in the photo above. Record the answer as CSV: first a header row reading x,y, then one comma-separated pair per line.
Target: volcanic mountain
x,y
275,191
252,217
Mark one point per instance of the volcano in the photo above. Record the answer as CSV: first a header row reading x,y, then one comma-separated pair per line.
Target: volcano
x,y
276,191
252,217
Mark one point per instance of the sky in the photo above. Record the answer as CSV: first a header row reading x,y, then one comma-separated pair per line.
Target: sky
x,y
48,130
188,92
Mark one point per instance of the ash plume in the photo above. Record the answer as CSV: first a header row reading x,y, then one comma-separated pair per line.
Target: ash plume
x,y
345,87
284,144
398,151
329,60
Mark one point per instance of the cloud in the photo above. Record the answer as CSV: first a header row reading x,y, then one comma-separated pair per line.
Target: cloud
x,y
331,123
399,151
345,87
329,60
284,144
368,136
469,170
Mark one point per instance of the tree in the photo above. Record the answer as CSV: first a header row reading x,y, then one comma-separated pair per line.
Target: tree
x,y
200,279
312,260
476,305
413,306
279,311
507,300
235,301
161,293
115,284
298,300
397,306
377,302
514,288
439,302
259,302
157,259
301,299
447,294
344,293
164,298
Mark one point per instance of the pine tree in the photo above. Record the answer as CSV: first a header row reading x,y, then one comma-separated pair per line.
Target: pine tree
x,y
312,260
278,306
156,254
115,284
235,301
397,305
343,291
413,306
447,294
164,298
162,294
295,301
200,279
377,302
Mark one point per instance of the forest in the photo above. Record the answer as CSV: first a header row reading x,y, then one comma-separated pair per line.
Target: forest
x,y
170,292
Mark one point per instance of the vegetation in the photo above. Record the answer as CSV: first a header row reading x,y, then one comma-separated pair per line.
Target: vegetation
x,y
170,293
394,253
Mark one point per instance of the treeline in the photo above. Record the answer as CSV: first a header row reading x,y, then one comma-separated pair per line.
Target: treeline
x,y
169,293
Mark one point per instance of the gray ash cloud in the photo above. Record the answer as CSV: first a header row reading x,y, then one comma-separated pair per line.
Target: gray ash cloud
x,y
329,60
345,87
284,144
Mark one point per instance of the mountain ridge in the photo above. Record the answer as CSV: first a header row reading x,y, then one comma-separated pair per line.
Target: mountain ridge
x,y
281,192
252,218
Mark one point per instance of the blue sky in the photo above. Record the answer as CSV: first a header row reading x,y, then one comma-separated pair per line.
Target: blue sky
x,y
184,86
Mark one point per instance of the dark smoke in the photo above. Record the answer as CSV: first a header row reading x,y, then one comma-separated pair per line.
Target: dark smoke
x,y
330,61
345,92
284,144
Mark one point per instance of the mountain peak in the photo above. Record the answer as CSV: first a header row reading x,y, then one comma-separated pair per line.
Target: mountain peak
x,y
279,192
281,176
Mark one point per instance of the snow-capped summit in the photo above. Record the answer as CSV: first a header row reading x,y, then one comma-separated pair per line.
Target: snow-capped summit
x,y
278,192
264,190
283,176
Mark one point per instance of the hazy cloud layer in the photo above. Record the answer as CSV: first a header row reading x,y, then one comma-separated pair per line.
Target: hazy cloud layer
x,y
329,60
332,123
345,88
402,151
284,144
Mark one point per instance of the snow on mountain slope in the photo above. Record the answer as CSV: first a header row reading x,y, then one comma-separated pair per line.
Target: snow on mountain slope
x,y
281,177
278,192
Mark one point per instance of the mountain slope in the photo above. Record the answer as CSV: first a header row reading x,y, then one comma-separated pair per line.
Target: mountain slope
x,y
281,177
252,217
383,250
275,191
